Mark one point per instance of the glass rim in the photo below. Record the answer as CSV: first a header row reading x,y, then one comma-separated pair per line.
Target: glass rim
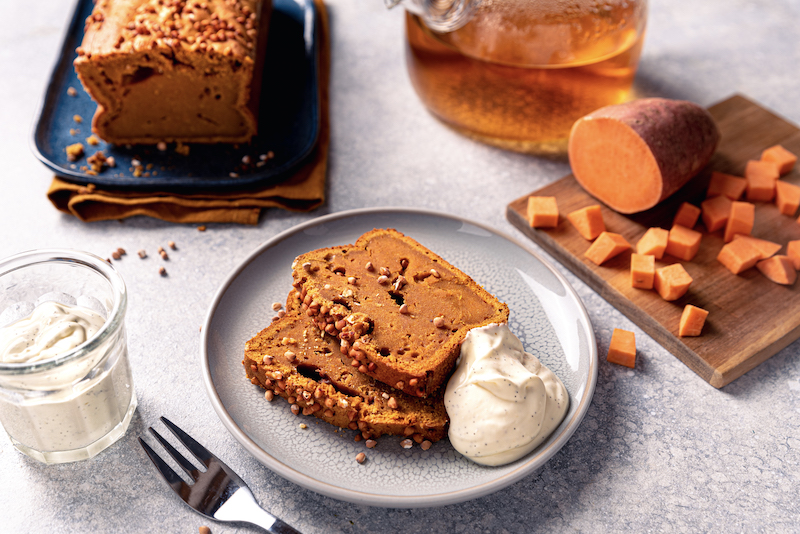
x,y
112,323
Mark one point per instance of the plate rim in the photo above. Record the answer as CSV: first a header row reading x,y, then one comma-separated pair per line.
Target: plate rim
x,y
393,501
179,184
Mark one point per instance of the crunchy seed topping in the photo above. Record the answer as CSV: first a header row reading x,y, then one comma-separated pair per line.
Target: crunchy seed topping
x,y
295,409
385,271
383,280
116,255
142,254
307,266
399,283
435,273
400,385
413,382
162,271
406,443
164,255
426,445
172,245
404,309
438,322
361,457
371,443
404,263
269,395
351,280
204,530
303,426
276,306
369,267
393,403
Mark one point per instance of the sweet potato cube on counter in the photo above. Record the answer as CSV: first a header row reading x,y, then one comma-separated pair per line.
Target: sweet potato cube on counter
x,y
726,185
787,197
687,215
715,212
741,219
653,242
793,251
765,248
692,321
622,349
683,243
643,270
542,212
672,282
606,246
784,159
761,177
588,221
738,256
779,269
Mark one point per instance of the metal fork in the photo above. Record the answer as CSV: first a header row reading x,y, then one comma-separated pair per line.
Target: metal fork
x,y
218,492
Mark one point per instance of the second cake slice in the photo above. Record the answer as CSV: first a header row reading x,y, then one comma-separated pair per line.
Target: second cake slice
x,y
399,310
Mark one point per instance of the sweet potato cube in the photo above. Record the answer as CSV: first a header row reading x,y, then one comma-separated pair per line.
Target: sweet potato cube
x,y
653,242
715,212
726,185
687,215
787,197
738,256
683,243
588,221
779,269
622,349
542,212
672,282
793,251
692,321
643,270
761,177
606,246
784,159
740,219
765,248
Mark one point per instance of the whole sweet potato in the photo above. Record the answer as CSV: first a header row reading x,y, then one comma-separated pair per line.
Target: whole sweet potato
x,y
632,156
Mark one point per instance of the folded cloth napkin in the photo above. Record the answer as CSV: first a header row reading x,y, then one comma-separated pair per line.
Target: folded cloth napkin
x,y
304,190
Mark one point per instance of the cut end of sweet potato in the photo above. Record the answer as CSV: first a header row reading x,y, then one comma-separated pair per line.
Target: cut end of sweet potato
x,y
615,165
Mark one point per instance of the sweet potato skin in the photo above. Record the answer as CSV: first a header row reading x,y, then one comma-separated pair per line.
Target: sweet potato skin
x,y
680,137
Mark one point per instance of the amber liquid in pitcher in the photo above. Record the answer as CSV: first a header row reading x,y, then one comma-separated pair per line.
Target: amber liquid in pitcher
x,y
520,80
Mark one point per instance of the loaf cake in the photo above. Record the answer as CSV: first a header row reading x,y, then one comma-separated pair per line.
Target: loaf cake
x,y
174,70
292,358
399,310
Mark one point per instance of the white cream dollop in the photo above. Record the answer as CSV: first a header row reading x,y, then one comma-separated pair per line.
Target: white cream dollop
x,y
502,402
51,329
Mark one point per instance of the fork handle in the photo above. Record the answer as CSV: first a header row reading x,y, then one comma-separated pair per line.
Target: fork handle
x,y
242,506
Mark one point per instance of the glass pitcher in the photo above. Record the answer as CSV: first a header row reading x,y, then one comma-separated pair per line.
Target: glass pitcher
x,y
518,73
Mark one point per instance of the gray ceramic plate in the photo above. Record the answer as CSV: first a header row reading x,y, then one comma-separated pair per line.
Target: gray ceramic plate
x,y
546,315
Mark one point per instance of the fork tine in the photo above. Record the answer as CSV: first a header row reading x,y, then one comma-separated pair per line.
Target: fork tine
x,y
202,454
166,471
185,464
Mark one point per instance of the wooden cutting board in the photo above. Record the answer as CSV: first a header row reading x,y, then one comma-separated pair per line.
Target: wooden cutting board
x,y
750,318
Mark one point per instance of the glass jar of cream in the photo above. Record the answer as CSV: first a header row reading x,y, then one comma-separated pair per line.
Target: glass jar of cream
x,y
66,390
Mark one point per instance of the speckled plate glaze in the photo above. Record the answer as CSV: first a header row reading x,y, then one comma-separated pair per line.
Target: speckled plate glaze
x,y
288,117
546,314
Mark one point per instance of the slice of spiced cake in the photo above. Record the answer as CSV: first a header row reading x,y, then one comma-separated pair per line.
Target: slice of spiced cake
x,y
399,310
292,358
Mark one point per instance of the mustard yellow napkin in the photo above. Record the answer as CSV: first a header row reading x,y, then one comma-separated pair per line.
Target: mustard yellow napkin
x,y
303,191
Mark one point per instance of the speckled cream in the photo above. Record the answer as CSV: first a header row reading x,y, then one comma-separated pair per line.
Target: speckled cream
x,y
502,402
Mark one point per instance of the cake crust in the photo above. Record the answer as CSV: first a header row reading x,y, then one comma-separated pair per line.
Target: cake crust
x,y
293,359
399,310
185,71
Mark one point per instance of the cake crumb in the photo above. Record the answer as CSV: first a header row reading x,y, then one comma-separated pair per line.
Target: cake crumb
x,y
201,228
93,140
182,149
73,132
361,457
77,118
303,426
204,530
74,151
71,91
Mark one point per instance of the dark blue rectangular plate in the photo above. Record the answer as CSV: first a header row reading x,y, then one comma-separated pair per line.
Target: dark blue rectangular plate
x,y
288,120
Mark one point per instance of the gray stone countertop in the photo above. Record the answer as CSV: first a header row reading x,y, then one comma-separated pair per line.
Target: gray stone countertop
x,y
659,450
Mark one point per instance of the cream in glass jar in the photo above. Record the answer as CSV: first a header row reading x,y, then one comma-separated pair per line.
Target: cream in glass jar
x,y
66,390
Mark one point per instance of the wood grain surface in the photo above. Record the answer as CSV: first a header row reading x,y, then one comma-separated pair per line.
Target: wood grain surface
x,y
750,318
